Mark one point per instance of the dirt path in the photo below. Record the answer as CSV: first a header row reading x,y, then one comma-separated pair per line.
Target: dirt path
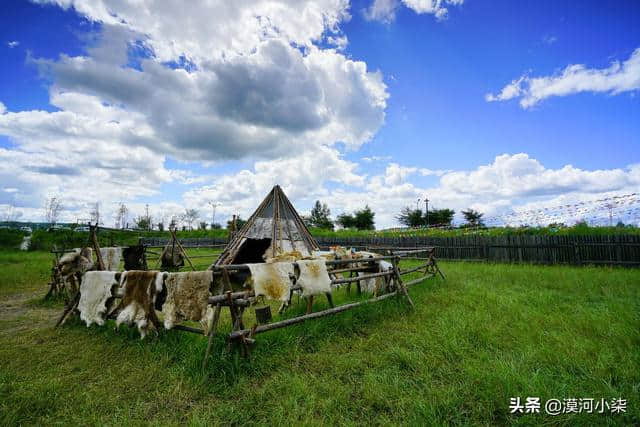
x,y
21,312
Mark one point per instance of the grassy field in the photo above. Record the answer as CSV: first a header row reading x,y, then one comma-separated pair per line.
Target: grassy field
x,y
488,333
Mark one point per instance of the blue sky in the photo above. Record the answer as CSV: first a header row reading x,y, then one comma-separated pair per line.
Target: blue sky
x,y
417,98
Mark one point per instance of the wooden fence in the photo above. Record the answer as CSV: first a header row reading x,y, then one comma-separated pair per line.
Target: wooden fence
x,y
544,249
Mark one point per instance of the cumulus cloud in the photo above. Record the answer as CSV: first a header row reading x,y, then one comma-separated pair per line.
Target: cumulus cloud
x,y
617,78
257,98
302,177
385,10
64,153
13,43
215,29
382,11
518,175
396,174
206,83
508,183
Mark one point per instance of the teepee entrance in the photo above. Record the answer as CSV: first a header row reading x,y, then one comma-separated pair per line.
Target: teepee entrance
x,y
273,229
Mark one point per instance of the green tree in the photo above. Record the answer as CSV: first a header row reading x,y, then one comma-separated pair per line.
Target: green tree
x,y
473,218
216,226
411,217
346,220
142,222
190,216
361,220
364,219
441,216
415,218
239,223
320,216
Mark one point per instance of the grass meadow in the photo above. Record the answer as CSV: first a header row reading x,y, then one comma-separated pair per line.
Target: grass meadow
x,y
488,333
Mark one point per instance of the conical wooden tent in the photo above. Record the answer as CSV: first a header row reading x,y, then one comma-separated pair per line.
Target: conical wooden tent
x,y
274,228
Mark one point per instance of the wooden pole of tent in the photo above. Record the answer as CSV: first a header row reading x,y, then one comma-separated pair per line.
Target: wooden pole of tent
x,y
175,239
96,246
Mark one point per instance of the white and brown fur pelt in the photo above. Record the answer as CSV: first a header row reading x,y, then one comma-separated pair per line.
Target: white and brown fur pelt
x,y
72,265
137,304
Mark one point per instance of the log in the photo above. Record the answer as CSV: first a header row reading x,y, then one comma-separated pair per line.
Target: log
x,y
212,332
363,277
189,329
284,323
420,279
348,270
411,270
96,247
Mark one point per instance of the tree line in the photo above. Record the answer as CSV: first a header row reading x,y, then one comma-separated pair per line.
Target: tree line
x,y
364,219
320,217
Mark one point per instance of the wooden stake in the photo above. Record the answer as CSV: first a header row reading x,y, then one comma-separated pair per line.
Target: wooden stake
x,y
175,238
309,304
70,307
403,288
212,332
96,246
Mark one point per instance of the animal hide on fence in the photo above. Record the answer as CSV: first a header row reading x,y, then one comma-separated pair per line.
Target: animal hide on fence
x,y
78,261
137,304
187,297
272,280
95,290
172,258
376,285
314,278
134,258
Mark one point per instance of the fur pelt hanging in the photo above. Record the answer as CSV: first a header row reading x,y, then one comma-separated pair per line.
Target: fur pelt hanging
x,y
137,304
172,258
134,258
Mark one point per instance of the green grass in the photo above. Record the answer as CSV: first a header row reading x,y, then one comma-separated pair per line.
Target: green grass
x,y
488,333
23,272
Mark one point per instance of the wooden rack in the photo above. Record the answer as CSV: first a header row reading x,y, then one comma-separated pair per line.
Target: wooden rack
x,y
242,337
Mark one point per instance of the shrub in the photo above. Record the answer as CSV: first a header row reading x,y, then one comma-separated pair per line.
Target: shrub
x,y
10,238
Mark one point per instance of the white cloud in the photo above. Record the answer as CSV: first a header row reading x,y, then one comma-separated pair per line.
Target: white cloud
x,y
211,30
64,153
340,42
431,172
370,159
433,7
518,175
13,43
396,174
382,11
385,10
617,78
302,177
508,183
259,104
217,81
